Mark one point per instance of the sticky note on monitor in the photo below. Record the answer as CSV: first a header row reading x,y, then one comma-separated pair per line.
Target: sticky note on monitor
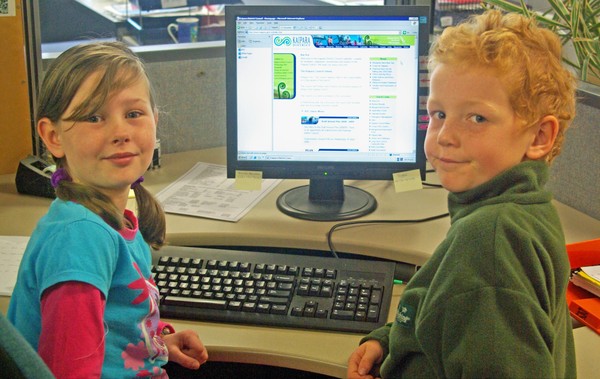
x,y
248,180
407,181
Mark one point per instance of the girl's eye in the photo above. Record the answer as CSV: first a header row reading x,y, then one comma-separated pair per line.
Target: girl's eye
x,y
94,119
134,114
478,119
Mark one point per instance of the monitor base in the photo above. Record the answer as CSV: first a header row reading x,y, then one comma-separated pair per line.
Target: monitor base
x,y
346,203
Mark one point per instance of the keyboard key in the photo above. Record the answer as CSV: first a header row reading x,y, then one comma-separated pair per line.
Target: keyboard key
x,y
279,293
303,289
376,297
235,305
283,278
321,313
373,313
285,286
244,267
279,309
338,314
263,308
248,307
326,291
192,302
309,312
273,300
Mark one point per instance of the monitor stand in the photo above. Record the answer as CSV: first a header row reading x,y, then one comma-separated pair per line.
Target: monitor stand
x,y
326,200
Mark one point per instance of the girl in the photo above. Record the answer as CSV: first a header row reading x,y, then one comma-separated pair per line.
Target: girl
x,y
84,297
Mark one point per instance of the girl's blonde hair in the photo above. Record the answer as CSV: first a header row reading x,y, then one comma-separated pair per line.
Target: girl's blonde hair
x,y
120,68
526,57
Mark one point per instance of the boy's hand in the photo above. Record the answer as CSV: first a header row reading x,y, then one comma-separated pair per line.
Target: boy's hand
x,y
364,361
186,349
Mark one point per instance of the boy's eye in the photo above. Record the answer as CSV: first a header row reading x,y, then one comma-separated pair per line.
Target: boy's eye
x,y
478,119
438,115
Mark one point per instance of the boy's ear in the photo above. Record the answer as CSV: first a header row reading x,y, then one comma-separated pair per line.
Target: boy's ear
x,y
545,133
49,134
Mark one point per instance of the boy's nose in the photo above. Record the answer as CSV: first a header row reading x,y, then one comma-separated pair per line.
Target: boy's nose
x,y
447,134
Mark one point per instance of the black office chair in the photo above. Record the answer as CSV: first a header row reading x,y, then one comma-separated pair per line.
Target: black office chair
x,y
17,358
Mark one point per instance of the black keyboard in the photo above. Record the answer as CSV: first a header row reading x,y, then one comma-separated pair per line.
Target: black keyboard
x,y
271,289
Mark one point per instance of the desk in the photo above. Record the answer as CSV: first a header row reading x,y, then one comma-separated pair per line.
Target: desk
x,y
322,352
266,226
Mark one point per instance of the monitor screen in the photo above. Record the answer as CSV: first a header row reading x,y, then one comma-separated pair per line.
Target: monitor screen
x,y
326,93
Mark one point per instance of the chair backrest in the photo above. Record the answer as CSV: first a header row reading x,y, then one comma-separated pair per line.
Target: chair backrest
x,y
17,358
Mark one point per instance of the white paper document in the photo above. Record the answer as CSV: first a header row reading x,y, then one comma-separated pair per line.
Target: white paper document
x,y
592,271
11,252
205,191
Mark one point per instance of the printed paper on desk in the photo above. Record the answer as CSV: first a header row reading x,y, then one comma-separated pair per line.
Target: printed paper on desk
x,y
205,191
11,253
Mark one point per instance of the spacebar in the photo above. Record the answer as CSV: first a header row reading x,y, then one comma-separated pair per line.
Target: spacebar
x,y
193,302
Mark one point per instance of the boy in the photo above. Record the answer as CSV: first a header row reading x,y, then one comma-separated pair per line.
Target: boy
x,y
490,302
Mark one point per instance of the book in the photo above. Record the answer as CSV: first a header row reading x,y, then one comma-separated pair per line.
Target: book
x,y
586,278
584,306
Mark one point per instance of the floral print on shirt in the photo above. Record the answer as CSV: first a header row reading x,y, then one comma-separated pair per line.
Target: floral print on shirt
x,y
151,345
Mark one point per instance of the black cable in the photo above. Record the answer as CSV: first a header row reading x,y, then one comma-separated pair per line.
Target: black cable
x,y
350,223
433,185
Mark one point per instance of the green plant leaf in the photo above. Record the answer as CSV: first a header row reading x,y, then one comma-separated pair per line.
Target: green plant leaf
x,y
577,21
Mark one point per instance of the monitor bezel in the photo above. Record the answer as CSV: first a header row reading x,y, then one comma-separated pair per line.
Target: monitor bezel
x,y
317,169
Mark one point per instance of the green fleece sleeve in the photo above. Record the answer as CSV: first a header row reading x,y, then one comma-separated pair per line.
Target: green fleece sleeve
x,y
381,335
494,331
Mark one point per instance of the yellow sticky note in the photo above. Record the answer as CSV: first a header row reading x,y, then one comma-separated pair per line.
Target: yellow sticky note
x,y
248,180
407,181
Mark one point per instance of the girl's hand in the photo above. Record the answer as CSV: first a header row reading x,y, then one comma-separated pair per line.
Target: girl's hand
x,y
186,349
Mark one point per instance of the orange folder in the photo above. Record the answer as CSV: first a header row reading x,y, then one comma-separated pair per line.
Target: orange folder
x,y
583,305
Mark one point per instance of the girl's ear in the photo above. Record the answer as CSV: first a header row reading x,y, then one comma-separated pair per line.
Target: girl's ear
x,y
545,133
49,134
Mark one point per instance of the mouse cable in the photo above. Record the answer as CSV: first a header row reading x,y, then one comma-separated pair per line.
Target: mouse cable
x,y
365,222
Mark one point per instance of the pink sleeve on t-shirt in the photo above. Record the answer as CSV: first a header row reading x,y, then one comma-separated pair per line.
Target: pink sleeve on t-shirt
x,y
72,336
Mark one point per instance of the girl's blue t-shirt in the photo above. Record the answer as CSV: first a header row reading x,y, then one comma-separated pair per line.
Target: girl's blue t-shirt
x,y
71,243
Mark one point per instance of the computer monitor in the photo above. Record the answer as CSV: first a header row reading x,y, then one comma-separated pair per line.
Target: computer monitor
x,y
326,93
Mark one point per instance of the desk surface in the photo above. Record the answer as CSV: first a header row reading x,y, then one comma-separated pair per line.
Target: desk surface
x,y
264,225
323,352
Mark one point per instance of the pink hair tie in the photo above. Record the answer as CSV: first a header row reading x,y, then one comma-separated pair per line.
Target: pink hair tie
x,y
137,182
58,176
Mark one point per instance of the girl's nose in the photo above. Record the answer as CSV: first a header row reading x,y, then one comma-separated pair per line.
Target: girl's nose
x,y
120,139
121,131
